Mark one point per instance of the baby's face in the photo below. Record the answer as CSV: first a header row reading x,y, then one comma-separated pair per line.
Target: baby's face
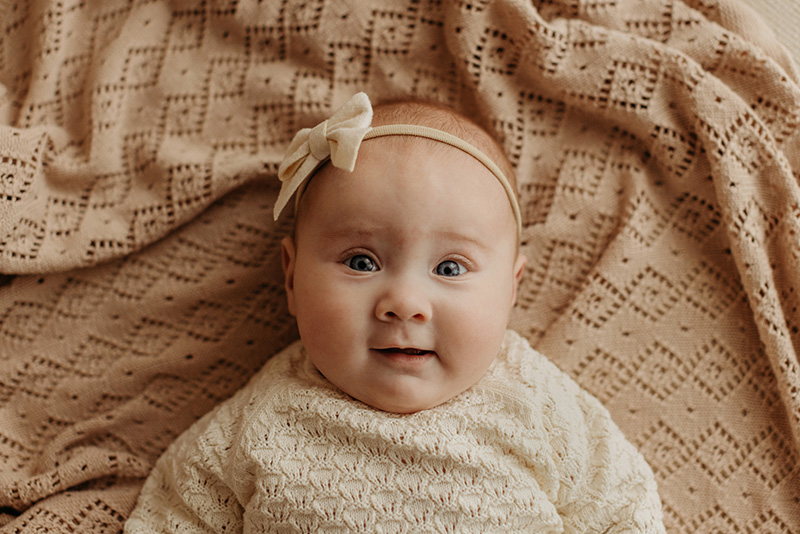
x,y
403,273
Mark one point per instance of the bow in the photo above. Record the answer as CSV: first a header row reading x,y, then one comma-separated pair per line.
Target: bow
x,y
337,138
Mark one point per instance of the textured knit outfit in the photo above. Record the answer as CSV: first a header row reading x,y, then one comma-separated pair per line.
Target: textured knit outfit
x,y
523,450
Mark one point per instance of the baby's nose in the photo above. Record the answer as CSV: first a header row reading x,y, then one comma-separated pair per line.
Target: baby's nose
x,y
404,301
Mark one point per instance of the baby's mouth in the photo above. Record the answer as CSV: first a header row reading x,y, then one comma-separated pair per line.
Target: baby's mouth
x,y
407,351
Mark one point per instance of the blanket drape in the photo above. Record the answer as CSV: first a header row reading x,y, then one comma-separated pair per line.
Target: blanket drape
x,y
657,147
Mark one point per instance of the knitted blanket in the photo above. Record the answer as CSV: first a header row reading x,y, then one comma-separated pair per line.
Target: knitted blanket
x,y
524,450
657,144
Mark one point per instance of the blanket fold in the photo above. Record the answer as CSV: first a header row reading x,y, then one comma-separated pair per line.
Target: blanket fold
x,y
657,147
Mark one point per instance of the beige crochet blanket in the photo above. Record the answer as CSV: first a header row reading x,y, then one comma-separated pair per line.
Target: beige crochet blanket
x,y
657,144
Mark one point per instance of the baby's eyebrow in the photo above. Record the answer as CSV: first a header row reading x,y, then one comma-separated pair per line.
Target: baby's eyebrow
x,y
364,233
360,232
462,237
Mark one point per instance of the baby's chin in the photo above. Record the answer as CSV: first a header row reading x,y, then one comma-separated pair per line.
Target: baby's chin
x,y
403,404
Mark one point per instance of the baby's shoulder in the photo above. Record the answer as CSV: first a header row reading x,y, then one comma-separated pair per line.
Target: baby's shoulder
x,y
520,362
280,376
538,380
231,417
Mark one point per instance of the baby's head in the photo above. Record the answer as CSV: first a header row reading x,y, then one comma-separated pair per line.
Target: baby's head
x,y
402,273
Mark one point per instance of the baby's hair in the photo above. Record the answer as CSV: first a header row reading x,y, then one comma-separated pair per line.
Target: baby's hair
x,y
441,117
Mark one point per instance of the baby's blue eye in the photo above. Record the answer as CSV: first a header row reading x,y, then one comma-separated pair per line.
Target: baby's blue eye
x,y
361,262
450,268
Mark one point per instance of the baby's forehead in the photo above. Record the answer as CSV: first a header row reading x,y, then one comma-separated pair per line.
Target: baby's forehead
x,y
407,171
440,117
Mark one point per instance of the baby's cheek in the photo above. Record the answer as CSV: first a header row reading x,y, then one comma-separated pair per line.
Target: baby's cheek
x,y
488,320
316,304
325,310
467,324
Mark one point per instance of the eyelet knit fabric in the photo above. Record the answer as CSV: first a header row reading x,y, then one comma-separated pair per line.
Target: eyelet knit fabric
x,y
657,149
524,450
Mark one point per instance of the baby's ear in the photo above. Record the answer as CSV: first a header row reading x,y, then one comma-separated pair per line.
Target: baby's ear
x,y
288,257
519,270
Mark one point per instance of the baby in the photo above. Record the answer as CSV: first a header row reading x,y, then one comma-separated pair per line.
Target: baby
x,y
407,405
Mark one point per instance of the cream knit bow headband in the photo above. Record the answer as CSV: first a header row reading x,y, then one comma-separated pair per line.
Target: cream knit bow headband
x,y
339,139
